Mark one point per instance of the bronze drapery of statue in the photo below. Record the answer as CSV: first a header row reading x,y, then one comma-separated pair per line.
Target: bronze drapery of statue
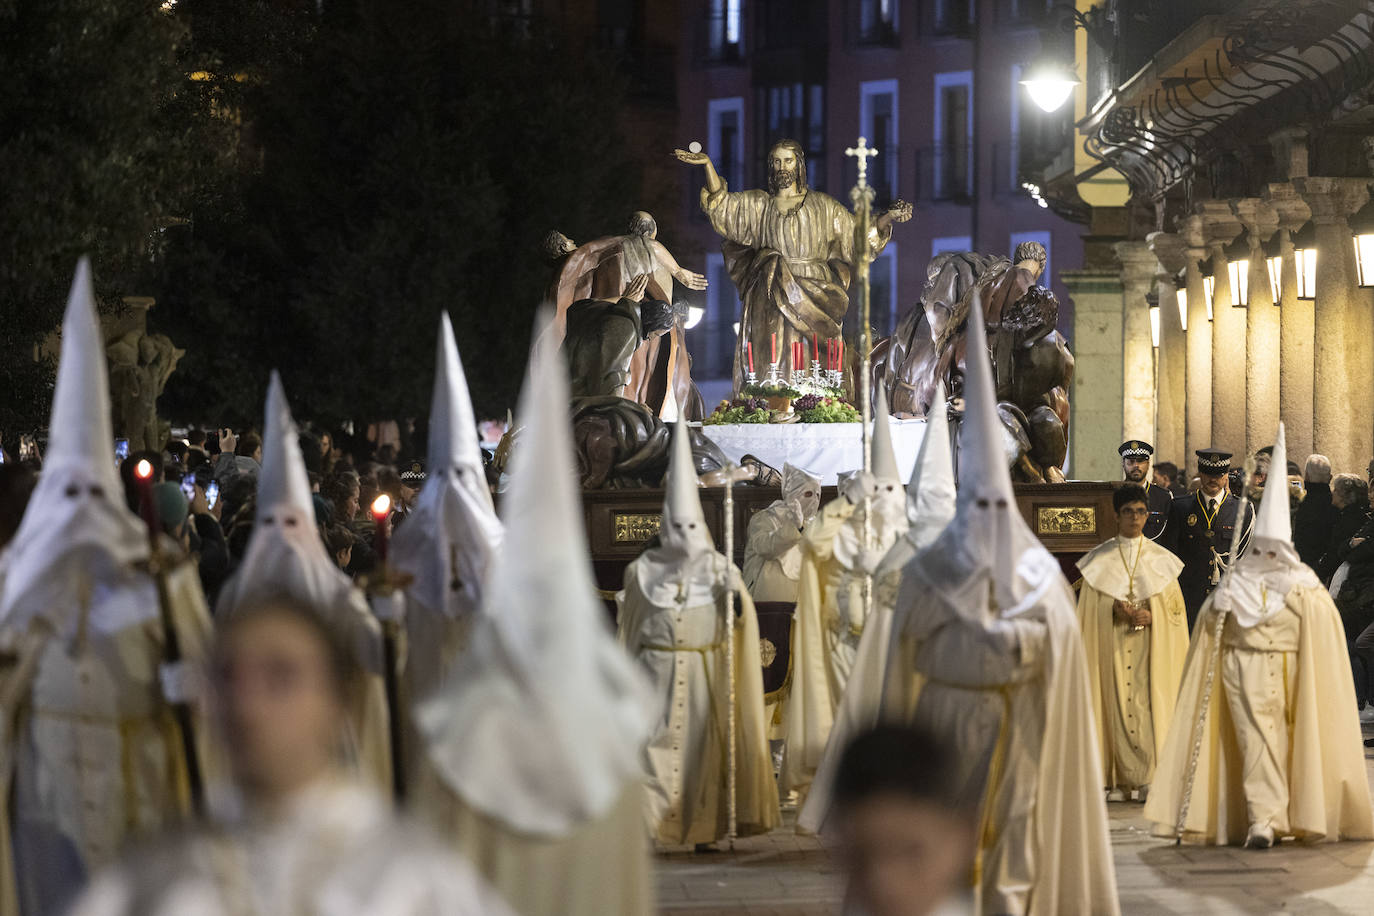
x,y
790,252
603,269
1031,360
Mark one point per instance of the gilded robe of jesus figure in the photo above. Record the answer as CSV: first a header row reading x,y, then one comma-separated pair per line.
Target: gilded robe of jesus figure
x,y
790,252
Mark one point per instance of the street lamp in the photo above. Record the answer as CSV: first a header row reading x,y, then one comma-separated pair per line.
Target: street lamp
x,y
1362,227
1238,272
1154,326
1305,254
1050,85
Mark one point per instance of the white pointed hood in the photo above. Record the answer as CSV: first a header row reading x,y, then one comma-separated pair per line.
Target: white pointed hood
x,y
541,723
988,541
78,530
889,500
451,535
685,564
930,495
285,555
1258,585
796,485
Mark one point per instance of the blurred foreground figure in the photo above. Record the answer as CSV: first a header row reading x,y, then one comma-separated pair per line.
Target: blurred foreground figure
x,y
930,508
841,551
287,557
1135,636
905,832
535,736
1279,752
673,620
988,631
449,539
304,837
90,754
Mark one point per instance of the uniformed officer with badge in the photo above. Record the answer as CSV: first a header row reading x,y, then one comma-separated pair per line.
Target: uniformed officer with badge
x,y
1135,468
1200,528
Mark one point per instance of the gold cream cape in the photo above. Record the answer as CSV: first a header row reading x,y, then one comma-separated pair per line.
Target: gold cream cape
x,y
1327,782
1168,636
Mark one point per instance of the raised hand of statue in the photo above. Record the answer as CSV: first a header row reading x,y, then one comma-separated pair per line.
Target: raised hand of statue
x,y
899,212
692,158
635,291
690,280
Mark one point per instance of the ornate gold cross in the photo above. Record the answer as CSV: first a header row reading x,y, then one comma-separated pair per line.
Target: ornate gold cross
x,y
863,151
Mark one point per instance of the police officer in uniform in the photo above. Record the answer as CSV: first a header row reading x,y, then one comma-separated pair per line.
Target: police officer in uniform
x,y
1200,528
1135,468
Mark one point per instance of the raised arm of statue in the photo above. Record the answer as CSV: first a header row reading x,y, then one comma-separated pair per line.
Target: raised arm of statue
x,y
713,179
686,277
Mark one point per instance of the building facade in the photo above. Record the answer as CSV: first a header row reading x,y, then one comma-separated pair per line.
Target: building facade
x,y
1221,161
932,84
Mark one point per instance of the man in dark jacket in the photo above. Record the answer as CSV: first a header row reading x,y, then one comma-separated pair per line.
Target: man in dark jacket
x,y
1316,517
1346,529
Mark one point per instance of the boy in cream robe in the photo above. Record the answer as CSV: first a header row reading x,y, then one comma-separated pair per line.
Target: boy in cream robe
x,y
1135,634
673,621
534,740
91,755
930,507
989,635
1279,748
286,557
838,564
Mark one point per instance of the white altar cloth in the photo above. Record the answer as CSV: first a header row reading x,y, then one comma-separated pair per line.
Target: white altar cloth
x,y
822,449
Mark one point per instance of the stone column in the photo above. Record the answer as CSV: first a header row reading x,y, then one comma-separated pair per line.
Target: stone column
x,y
1220,227
1138,265
1171,395
1095,404
1343,331
1198,384
1262,328
1295,327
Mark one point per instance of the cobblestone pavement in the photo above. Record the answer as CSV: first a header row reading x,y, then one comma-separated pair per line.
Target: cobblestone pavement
x,y
783,874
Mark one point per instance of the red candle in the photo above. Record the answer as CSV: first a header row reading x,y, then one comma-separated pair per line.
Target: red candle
x,y
749,349
815,347
773,353
839,356
381,514
143,474
796,354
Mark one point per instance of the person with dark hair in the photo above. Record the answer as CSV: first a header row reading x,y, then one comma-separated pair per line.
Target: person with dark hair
x,y
906,833
1135,633
344,494
1165,477
339,541
306,837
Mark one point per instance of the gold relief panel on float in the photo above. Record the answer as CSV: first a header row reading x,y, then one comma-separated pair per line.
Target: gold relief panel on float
x,y
1064,521
635,528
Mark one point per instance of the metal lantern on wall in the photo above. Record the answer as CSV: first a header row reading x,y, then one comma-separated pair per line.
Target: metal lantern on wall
x,y
1273,264
1238,271
1362,227
1305,254
1209,284
1181,296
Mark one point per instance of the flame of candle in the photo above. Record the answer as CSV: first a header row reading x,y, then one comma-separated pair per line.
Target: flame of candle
x,y
381,506
144,469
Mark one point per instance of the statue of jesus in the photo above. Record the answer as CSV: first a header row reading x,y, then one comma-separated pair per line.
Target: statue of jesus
x,y
790,252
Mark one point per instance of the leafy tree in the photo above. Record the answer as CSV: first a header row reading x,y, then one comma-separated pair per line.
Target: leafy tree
x,y
103,142
411,160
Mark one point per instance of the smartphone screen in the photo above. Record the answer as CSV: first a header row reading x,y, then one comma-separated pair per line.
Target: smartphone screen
x,y
121,449
188,487
212,493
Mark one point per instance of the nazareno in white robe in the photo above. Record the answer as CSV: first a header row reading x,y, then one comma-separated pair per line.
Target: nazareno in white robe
x,y
682,650
334,850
